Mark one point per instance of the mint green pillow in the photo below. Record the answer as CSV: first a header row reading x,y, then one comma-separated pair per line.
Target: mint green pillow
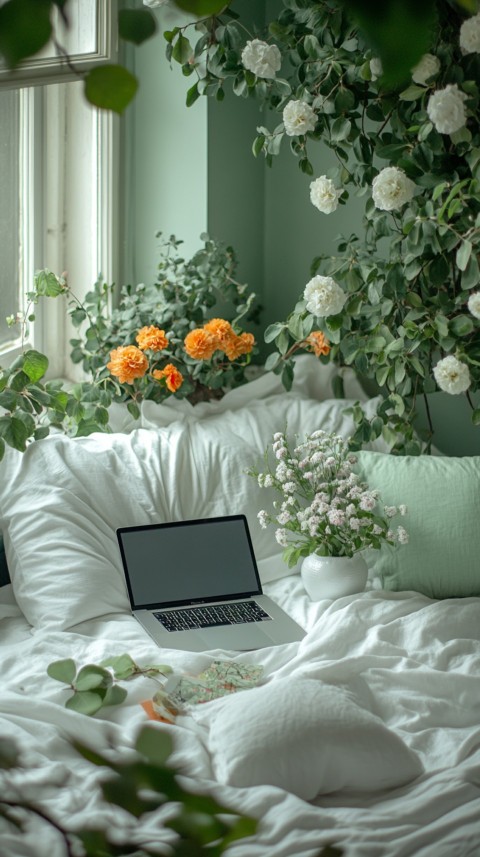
x,y
442,557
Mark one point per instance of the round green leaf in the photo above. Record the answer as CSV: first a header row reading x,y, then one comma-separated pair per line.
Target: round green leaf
x,y
136,25
92,676
25,28
35,365
64,670
154,745
85,702
110,87
115,695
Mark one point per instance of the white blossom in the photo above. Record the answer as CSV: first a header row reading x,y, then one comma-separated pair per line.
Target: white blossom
x,y
262,519
402,535
324,296
268,480
262,59
403,509
336,517
376,68
289,487
367,502
281,537
391,189
452,375
428,67
324,195
391,511
446,109
474,304
284,518
298,118
354,524
470,35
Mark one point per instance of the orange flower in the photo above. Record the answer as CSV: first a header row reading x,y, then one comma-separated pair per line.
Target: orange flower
x,y
200,344
173,378
238,345
127,363
318,343
221,329
153,338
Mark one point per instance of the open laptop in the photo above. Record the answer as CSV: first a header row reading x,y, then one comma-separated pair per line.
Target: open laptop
x,y
195,585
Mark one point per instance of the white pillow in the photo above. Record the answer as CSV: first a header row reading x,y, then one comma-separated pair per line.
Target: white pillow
x,y
60,512
306,737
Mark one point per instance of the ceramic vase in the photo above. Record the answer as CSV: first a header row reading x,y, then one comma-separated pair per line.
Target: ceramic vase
x,y
333,576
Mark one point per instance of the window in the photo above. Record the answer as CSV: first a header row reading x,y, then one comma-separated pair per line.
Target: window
x,y
58,168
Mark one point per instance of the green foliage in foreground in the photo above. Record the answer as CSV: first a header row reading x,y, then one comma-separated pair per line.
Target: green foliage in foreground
x,y
138,784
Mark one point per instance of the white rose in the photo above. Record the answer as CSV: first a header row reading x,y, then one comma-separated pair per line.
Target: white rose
x,y
391,189
262,59
324,296
470,35
474,304
324,195
376,68
446,109
298,118
452,375
428,67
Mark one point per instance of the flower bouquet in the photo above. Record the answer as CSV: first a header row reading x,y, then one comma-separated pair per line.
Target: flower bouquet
x,y
325,508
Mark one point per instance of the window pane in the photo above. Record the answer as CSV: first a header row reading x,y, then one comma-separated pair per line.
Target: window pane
x,y
9,210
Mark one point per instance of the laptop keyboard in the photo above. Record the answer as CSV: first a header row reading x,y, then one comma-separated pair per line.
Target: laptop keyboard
x,y
190,618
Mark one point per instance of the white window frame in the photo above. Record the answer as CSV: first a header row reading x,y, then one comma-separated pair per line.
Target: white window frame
x,y
69,207
48,66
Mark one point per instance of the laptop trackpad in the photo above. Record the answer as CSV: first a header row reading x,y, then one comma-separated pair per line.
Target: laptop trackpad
x,y
240,639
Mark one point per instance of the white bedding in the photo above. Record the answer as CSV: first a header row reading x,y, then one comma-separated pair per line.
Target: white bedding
x,y
412,661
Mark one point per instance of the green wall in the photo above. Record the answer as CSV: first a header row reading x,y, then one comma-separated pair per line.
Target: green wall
x,y
191,170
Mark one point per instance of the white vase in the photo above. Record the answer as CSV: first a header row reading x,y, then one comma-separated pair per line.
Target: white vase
x,y
333,576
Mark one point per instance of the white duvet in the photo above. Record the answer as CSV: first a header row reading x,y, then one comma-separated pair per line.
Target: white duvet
x,y
412,662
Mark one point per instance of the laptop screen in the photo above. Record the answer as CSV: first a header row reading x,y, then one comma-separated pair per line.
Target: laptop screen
x,y
188,561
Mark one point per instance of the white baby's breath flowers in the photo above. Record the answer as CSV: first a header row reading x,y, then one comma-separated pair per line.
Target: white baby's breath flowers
x,y
470,35
392,189
376,68
298,118
262,59
324,195
446,109
451,375
473,304
402,536
426,69
324,296
325,509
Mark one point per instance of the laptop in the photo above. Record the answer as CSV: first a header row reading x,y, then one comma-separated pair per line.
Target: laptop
x,y
194,585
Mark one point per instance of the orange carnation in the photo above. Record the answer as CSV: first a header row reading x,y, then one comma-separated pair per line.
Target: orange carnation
x,y
238,345
152,337
318,343
221,329
200,344
173,378
127,363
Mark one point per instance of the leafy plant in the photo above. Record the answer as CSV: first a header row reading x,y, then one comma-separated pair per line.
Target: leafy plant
x,y
180,303
324,508
96,685
398,302
27,26
138,785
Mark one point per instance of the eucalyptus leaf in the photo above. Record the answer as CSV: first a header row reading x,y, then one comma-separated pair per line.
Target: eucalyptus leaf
x,y
64,670
85,702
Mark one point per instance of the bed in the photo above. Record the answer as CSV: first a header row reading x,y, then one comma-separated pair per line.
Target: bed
x,y
365,735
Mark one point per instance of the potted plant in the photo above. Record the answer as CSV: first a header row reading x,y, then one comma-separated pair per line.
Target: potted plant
x,y
326,514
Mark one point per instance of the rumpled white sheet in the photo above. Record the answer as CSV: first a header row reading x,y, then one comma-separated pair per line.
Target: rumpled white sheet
x,y
412,661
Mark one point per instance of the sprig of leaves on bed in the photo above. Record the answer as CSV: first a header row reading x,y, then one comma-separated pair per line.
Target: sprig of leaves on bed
x,y
96,685
139,785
